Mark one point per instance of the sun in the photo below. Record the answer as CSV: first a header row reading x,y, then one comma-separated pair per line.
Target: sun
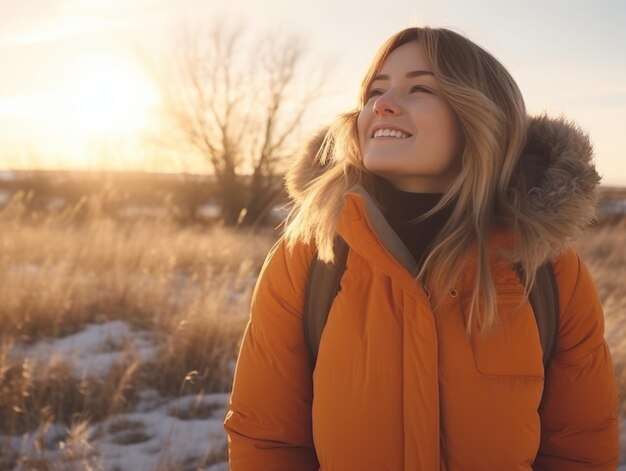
x,y
108,97
100,115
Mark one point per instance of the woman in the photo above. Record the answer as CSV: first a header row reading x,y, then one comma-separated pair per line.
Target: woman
x,y
430,359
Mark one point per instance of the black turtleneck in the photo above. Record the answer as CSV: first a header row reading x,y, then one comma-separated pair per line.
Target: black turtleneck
x,y
401,207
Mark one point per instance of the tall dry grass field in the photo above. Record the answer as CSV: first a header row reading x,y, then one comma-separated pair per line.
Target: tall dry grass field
x,y
188,289
604,251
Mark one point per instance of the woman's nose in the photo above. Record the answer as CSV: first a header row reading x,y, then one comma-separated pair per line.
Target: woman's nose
x,y
385,105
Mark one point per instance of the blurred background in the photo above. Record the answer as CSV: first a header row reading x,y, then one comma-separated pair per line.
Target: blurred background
x,y
142,148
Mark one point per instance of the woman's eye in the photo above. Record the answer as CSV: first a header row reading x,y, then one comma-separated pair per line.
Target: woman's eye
x,y
374,92
419,88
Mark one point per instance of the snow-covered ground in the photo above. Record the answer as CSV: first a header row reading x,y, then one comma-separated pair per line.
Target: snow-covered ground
x,y
612,206
160,433
7,175
5,197
184,433
94,350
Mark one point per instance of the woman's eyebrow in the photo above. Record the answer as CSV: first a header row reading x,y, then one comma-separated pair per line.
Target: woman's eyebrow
x,y
411,74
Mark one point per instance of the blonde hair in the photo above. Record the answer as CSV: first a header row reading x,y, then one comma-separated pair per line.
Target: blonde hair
x,y
492,116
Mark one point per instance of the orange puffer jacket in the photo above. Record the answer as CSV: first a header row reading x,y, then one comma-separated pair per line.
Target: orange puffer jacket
x,y
396,387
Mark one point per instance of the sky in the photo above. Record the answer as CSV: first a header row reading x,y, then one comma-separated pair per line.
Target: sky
x,y
66,65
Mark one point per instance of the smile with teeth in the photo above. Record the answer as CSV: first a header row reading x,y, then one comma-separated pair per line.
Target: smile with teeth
x,y
386,132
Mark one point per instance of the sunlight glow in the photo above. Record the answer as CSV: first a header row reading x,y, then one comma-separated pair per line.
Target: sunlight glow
x,y
109,97
107,102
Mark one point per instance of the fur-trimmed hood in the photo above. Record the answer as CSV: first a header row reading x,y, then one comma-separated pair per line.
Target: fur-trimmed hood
x,y
559,179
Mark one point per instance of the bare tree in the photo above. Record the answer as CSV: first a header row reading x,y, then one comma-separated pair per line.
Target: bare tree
x,y
241,107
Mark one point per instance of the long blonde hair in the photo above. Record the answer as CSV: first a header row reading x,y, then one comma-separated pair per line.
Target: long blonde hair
x,y
492,115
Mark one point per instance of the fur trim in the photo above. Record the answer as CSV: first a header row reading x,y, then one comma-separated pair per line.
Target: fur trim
x,y
560,182
555,172
306,166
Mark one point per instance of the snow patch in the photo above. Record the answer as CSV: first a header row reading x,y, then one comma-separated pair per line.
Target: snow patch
x,y
94,350
149,438
159,433
210,210
164,438
7,175
5,197
612,207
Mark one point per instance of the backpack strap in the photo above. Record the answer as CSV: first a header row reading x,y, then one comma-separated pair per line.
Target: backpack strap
x,y
544,299
321,288
323,284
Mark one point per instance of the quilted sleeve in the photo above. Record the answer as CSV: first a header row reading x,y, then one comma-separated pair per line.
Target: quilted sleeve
x,y
269,418
579,425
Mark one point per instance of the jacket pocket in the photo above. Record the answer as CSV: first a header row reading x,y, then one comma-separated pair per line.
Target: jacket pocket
x,y
513,348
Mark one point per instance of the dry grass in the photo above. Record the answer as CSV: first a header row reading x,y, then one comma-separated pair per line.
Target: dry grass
x,y
602,249
189,286
55,275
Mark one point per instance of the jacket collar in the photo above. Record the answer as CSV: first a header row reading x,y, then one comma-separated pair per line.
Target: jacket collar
x,y
363,204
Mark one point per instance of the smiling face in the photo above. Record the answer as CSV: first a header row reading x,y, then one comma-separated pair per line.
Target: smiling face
x,y
408,133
